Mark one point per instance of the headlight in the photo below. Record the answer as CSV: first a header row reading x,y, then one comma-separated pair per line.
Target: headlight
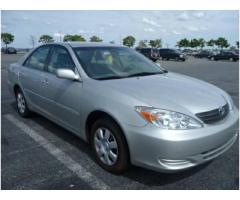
x,y
167,119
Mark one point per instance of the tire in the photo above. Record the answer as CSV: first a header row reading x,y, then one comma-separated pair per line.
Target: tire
x,y
101,148
22,106
212,58
231,59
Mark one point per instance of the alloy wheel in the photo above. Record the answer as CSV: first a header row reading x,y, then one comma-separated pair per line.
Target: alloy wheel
x,y
106,146
21,103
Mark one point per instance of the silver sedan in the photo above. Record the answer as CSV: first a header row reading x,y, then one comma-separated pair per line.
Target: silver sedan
x,y
130,110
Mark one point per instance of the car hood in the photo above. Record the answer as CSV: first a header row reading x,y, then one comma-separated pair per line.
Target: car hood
x,y
170,91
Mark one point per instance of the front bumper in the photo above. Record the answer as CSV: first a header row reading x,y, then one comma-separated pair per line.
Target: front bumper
x,y
174,150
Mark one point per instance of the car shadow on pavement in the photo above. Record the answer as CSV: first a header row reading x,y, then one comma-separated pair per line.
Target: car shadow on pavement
x,y
138,174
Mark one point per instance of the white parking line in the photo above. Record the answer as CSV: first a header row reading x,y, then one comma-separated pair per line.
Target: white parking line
x,y
67,161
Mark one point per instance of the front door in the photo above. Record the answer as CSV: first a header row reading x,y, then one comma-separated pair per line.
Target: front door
x,y
62,95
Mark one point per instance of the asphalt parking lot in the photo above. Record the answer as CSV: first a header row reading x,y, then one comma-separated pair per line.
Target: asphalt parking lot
x,y
37,154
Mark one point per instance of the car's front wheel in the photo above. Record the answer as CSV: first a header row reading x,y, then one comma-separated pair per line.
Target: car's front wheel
x,y
212,58
109,146
22,107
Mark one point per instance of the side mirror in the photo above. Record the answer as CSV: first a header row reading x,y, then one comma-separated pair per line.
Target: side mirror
x,y
67,74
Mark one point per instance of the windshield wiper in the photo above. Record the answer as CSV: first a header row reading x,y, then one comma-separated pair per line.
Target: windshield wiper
x,y
145,74
110,77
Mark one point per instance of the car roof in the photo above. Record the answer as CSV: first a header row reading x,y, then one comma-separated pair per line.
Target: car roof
x,y
87,44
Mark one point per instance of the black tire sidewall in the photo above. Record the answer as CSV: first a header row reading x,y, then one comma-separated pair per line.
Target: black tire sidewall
x,y
123,155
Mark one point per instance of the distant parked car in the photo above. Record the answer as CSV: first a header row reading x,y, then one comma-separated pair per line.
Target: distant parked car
x,y
171,54
225,55
9,50
203,54
151,53
187,52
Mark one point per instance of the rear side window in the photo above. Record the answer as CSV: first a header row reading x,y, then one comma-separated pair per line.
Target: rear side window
x,y
163,50
154,50
145,50
60,59
38,58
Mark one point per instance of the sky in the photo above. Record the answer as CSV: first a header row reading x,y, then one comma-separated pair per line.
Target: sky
x,y
170,26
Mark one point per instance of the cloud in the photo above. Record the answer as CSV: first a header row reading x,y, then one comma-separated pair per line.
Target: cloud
x,y
111,24
58,34
183,16
163,30
81,31
100,31
149,30
193,28
203,28
176,32
196,29
199,15
25,18
150,22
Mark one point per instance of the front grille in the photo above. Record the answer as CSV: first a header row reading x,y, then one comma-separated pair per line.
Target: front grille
x,y
214,115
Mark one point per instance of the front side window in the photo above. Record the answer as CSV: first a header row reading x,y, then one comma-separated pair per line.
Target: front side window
x,y
38,58
60,59
119,62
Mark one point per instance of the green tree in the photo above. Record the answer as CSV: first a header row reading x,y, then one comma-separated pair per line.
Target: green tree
x,y
211,43
221,42
7,38
183,43
142,44
74,38
95,38
237,44
194,43
129,41
155,43
201,42
46,39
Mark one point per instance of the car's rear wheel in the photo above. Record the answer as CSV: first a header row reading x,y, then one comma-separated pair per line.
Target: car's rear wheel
x,y
109,146
231,59
22,106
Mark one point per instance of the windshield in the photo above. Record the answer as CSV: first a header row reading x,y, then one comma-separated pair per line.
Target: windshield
x,y
115,62
176,51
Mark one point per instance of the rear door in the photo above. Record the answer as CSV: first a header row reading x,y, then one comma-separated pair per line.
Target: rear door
x,y
62,95
146,52
162,53
32,76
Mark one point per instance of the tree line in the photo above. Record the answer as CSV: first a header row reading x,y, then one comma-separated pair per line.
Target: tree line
x,y
129,41
220,42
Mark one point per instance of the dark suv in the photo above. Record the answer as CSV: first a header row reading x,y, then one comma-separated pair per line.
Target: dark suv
x,y
225,55
203,54
171,54
151,53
